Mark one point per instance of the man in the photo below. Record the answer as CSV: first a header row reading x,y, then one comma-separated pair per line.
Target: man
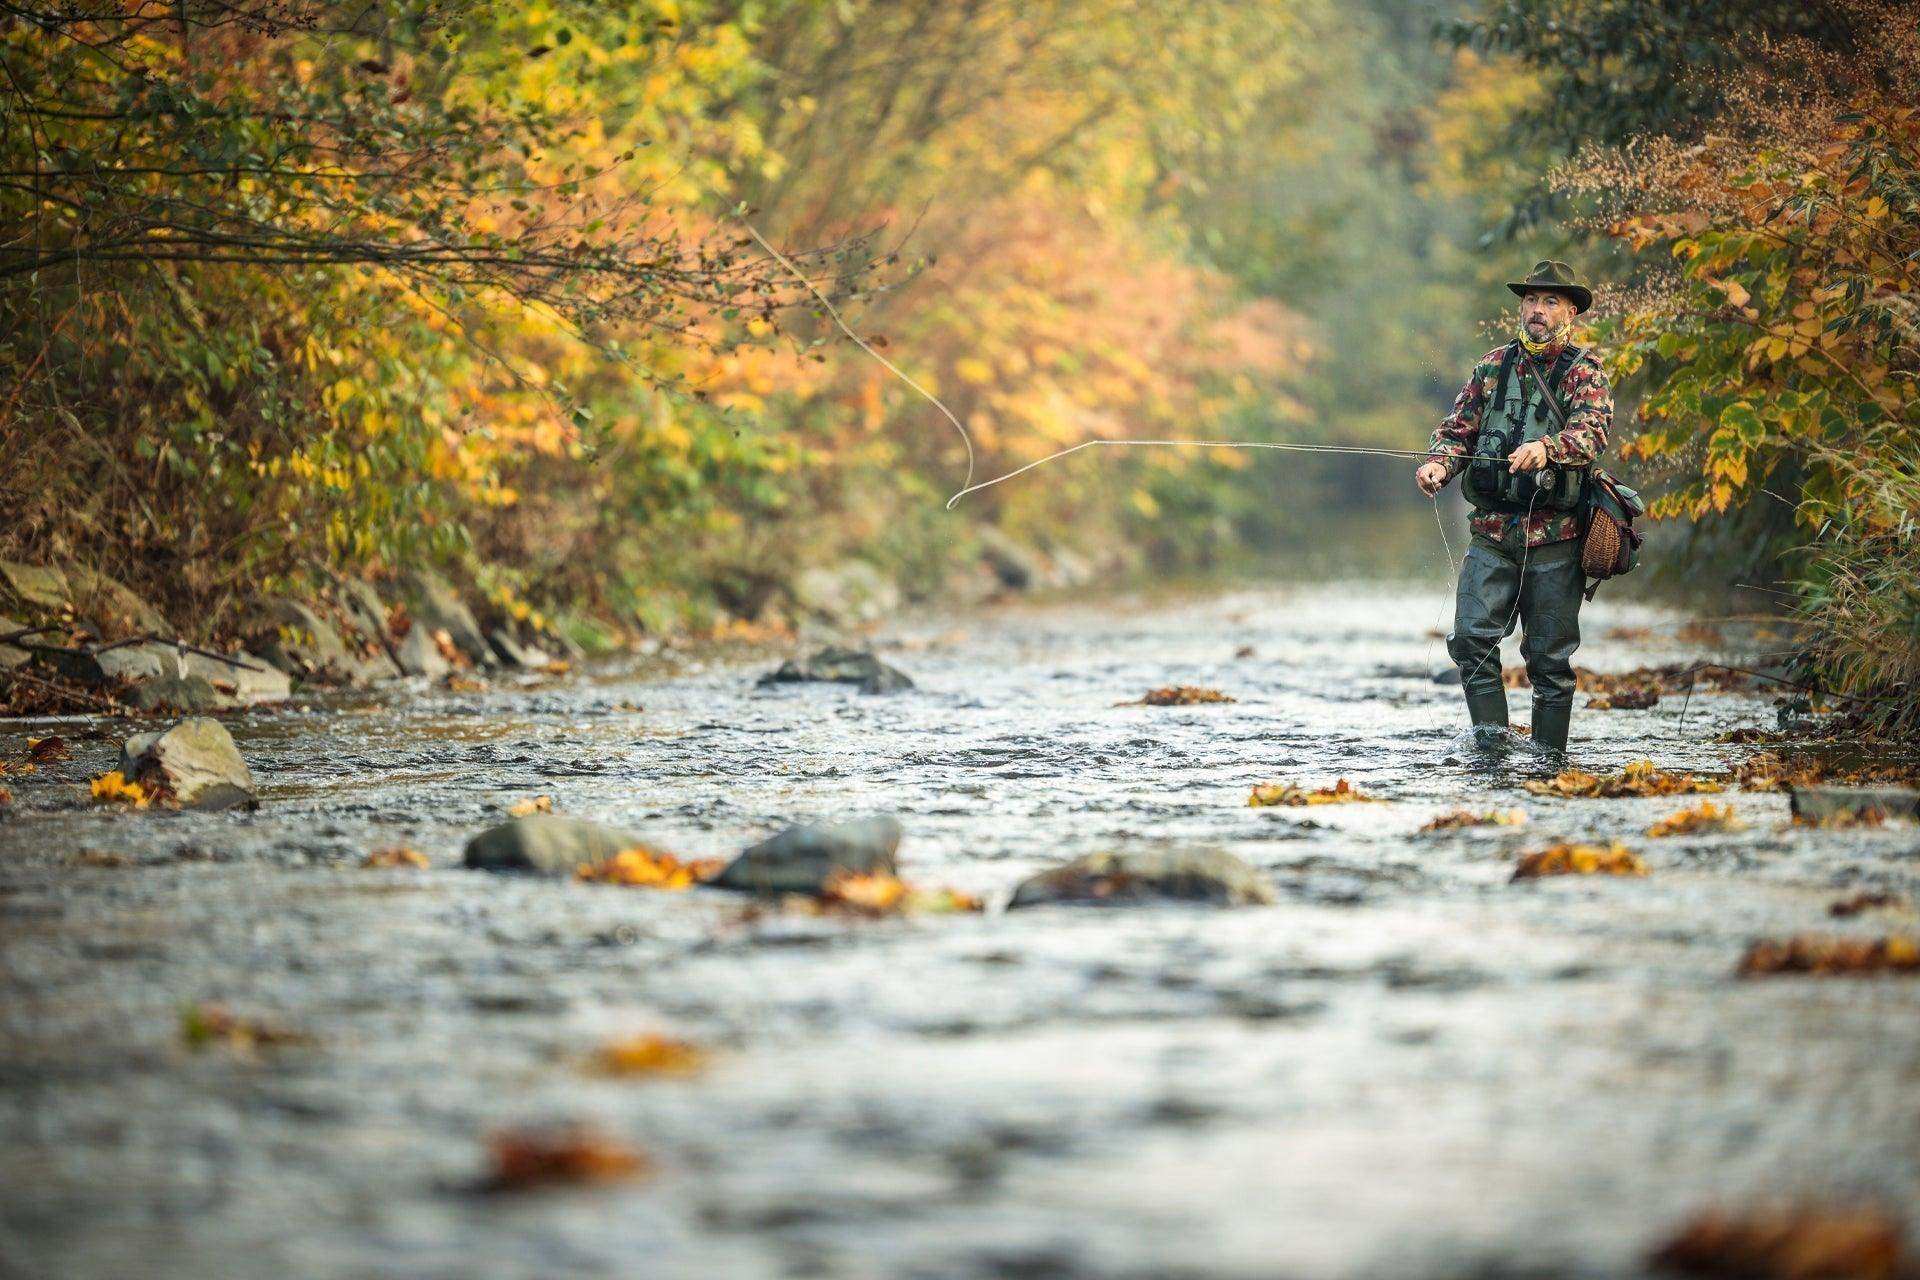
x,y
1527,467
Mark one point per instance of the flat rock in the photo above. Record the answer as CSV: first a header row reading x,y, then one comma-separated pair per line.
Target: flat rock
x,y
437,607
196,763
247,685
182,695
1817,803
1140,876
545,844
801,858
841,665
131,663
35,586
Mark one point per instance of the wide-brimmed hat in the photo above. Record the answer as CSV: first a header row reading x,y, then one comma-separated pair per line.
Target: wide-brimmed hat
x,y
1553,276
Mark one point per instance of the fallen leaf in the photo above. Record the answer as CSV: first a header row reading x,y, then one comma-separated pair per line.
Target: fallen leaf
x,y
443,641
48,749
537,804
1629,699
644,868
1285,793
1705,816
1244,651
1809,953
1866,900
558,667
397,856
567,1155
204,1024
1773,771
113,789
1580,860
1788,1243
1638,779
650,1055
1178,695
850,893
1461,818
458,683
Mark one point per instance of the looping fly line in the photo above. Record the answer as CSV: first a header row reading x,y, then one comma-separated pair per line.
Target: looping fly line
x,y
969,486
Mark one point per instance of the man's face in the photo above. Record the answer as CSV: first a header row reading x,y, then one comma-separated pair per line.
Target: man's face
x,y
1542,312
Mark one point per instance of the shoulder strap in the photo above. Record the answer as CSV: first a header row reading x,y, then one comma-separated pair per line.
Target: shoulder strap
x,y
1506,372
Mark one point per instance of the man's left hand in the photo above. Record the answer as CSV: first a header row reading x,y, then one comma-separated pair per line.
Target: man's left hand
x,y
1530,456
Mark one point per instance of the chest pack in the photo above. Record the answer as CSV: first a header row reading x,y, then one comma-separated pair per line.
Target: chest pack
x,y
1523,410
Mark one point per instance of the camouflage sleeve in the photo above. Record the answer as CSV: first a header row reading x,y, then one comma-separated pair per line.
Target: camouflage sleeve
x,y
1453,440
1589,416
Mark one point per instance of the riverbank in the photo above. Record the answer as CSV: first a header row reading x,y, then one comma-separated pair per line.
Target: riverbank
x,y
1408,1065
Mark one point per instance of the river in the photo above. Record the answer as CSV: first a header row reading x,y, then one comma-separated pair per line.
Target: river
x,y
1410,1067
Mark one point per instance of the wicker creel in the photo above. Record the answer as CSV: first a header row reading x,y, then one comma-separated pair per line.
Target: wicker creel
x,y
1604,552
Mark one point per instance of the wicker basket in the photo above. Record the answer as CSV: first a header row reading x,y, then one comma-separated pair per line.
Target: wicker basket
x,y
1604,552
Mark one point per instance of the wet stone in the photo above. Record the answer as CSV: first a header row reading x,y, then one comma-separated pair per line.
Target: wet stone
x,y
1820,803
512,651
186,695
800,859
1146,875
420,656
545,844
844,666
196,762
248,682
436,607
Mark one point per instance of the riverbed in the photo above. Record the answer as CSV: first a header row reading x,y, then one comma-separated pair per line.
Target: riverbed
x,y
1409,1067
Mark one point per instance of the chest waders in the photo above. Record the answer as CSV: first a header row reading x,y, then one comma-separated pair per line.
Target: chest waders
x,y
1502,580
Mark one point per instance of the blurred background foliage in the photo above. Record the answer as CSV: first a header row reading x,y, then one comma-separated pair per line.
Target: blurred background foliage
x,y
290,287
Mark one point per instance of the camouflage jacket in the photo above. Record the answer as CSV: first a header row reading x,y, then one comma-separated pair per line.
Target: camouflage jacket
x,y
1588,402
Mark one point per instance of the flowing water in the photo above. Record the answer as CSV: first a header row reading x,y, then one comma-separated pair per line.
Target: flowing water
x,y
1410,1067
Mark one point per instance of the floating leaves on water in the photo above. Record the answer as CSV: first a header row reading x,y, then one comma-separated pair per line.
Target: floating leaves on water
x,y
111,788
1751,736
537,804
203,1025
1629,699
1244,651
1866,900
458,683
1788,1243
644,868
1810,953
558,667
567,1155
49,749
1843,819
1705,816
397,856
1640,778
1285,793
1459,819
851,893
1580,860
650,1055
1178,695
1774,771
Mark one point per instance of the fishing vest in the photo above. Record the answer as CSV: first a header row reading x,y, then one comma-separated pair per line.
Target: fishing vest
x,y
1518,414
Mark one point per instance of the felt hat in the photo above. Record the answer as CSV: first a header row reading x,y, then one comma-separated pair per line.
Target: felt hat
x,y
1554,276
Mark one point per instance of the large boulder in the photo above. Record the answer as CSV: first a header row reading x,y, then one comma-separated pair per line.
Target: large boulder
x,y
842,665
246,681
178,695
846,594
420,656
35,588
435,606
1147,875
298,641
546,844
129,663
1827,803
801,859
194,764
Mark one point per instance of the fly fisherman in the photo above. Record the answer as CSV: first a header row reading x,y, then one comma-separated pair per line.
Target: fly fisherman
x,y
1525,429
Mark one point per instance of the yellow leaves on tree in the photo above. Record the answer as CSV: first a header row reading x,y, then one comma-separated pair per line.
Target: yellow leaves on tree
x,y
1287,794
1705,816
1580,860
1827,956
1640,778
644,868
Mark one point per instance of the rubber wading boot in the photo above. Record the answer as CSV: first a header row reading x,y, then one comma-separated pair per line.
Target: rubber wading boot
x,y
1550,721
1488,710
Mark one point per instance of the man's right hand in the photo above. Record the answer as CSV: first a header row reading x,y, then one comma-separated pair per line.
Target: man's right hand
x,y
1431,477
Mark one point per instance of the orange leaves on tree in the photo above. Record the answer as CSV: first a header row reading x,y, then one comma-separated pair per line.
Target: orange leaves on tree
x,y
529,1159
1827,956
1291,796
644,868
1640,778
1580,860
1705,816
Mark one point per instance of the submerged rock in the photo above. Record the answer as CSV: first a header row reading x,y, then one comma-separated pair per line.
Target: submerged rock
x,y
1144,875
844,666
800,859
194,763
546,844
1827,803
